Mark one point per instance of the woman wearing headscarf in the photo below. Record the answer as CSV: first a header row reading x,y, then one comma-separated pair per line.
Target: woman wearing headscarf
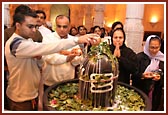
x,y
149,77
115,25
125,55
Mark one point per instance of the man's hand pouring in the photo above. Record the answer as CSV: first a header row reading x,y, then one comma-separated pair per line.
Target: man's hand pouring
x,y
89,39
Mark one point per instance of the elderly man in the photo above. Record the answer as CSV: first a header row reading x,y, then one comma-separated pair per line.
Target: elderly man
x,y
60,66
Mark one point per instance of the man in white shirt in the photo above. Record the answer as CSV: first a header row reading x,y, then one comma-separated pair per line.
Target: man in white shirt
x,y
41,21
60,66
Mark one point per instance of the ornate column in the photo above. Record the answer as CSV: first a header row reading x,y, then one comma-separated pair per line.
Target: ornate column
x,y
6,15
99,15
133,26
80,16
73,14
88,17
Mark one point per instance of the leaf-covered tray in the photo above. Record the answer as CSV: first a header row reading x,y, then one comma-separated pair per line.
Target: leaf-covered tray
x,y
63,96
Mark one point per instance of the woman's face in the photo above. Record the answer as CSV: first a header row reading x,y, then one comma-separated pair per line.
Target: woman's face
x,y
97,31
154,47
82,31
74,31
118,38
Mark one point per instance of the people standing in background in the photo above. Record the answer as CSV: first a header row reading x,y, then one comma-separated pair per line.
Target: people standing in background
x,y
91,30
73,31
81,30
96,30
104,32
126,56
48,24
104,36
115,25
150,75
41,16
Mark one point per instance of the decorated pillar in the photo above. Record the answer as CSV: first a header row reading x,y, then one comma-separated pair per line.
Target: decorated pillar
x,y
99,15
6,15
81,14
133,26
88,17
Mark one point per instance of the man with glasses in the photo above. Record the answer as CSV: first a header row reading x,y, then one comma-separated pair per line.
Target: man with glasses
x,y
23,60
41,16
7,34
9,31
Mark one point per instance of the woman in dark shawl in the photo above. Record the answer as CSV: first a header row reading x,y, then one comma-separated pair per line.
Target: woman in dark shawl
x,y
126,56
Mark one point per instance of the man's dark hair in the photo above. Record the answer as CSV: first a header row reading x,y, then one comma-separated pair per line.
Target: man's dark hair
x,y
23,9
20,17
41,11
